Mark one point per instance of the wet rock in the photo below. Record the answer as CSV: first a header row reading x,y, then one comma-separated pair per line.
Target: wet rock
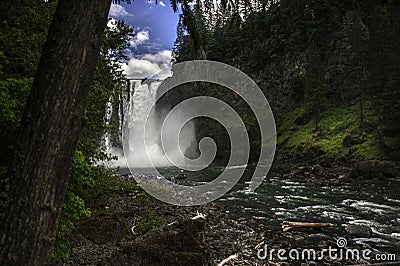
x,y
323,244
358,230
180,177
298,237
376,169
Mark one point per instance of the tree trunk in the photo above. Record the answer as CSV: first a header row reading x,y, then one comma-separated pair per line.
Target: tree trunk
x,y
361,111
38,175
316,117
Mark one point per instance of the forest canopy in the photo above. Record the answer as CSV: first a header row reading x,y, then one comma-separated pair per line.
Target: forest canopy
x,y
330,69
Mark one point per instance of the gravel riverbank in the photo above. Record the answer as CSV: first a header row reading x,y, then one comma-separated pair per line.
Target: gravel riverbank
x,y
110,238
134,229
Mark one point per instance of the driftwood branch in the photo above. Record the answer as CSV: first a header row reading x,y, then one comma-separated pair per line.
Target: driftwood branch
x,y
286,226
199,216
259,245
225,261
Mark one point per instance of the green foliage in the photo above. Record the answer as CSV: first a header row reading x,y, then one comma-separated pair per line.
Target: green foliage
x,y
107,185
74,208
148,222
23,32
116,40
22,35
336,124
81,176
13,95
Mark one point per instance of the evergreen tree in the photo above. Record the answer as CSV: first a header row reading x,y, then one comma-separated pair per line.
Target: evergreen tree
x,y
315,91
358,37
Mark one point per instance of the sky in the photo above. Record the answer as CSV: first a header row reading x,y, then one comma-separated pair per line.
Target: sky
x,y
155,33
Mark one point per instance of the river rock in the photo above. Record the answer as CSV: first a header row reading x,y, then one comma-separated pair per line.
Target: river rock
x,y
358,230
376,169
180,177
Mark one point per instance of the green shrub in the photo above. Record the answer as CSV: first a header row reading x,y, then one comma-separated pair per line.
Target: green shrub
x,y
73,208
150,221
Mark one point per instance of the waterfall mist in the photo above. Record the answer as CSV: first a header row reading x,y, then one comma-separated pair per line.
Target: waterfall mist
x,y
140,108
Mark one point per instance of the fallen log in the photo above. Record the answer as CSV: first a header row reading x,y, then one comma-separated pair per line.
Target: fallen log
x,y
286,226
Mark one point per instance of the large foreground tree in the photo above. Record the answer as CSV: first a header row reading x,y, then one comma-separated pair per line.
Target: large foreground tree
x,y
51,125
36,183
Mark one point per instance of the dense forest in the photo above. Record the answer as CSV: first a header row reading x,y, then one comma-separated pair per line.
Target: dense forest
x,y
23,33
330,70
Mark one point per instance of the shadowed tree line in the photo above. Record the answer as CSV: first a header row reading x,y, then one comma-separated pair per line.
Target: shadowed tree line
x,y
309,57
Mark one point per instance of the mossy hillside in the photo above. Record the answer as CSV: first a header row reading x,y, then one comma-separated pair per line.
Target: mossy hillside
x,y
297,134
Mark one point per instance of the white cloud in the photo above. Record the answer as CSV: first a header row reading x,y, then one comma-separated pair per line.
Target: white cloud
x,y
149,65
140,38
139,68
162,58
118,11
162,4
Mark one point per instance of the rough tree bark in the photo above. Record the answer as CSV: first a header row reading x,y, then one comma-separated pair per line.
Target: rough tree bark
x,y
37,178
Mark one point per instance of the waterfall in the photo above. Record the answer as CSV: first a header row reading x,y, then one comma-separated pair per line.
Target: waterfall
x,y
139,105
107,137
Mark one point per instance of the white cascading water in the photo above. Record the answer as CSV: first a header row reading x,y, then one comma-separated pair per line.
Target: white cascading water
x,y
107,137
142,100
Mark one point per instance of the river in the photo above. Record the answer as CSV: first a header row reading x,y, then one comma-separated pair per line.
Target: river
x,y
375,203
